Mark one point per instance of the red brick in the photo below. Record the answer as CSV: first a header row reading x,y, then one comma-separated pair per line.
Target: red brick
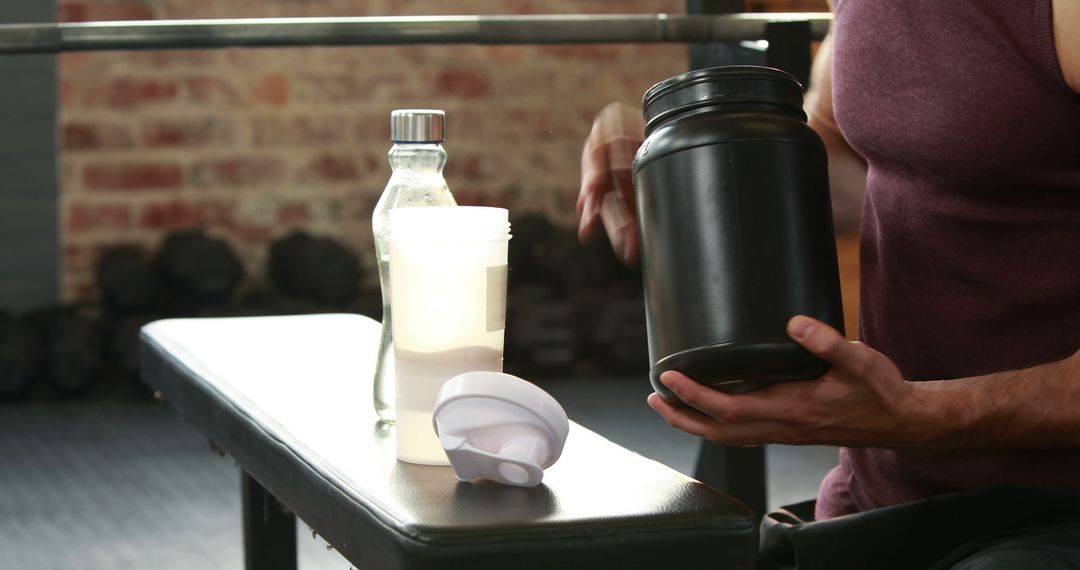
x,y
248,233
395,85
183,133
373,128
330,168
272,90
212,90
73,12
334,88
376,163
237,172
240,58
583,52
78,257
76,135
84,218
467,167
66,95
292,214
299,131
124,11
133,176
462,83
507,54
181,214
523,7
129,93
185,58
73,61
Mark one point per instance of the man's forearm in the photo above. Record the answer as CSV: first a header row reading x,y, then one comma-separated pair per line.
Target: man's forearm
x,y
1031,408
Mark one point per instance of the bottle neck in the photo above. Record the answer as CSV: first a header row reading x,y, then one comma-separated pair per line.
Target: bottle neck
x,y
417,157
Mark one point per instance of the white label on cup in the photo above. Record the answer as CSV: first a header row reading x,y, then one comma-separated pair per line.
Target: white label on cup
x,y
496,298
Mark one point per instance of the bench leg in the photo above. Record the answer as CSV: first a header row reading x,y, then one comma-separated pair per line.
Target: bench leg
x,y
737,471
269,529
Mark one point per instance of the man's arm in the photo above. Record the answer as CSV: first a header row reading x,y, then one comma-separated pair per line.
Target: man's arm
x,y
1067,40
1032,408
863,401
847,170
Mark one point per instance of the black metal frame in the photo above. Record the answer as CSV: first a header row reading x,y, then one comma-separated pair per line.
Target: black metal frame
x,y
279,32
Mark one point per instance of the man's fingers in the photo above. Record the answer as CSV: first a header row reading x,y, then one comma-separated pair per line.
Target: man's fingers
x,y
604,185
607,191
605,168
589,217
697,423
728,408
825,342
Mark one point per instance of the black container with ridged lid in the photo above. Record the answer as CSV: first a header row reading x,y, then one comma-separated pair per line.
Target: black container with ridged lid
x,y
736,228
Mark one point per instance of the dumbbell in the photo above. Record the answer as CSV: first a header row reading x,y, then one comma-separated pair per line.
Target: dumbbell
x,y
527,249
122,344
19,356
126,279
197,271
617,339
541,332
315,268
71,349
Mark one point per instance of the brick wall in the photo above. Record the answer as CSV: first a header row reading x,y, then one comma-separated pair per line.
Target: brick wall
x,y
252,144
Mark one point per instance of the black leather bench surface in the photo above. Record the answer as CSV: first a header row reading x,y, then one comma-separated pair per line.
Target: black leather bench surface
x,y
290,399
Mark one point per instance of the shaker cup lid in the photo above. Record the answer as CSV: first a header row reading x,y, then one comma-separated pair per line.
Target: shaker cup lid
x,y
417,126
715,85
499,427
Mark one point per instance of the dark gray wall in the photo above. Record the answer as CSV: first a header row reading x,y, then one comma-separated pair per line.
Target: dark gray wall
x,y
29,237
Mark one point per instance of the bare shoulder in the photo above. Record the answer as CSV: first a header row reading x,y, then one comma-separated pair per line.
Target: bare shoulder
x,y
1067,39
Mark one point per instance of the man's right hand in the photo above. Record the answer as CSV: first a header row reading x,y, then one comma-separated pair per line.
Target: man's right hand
x,y
607,190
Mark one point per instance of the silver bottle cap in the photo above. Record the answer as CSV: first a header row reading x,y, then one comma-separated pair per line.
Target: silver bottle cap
x,y
417,125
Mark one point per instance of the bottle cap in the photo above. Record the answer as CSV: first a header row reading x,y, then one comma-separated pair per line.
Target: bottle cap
x,y
417,126
499,427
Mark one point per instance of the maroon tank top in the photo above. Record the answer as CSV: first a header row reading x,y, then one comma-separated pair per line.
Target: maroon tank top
x,y
971,225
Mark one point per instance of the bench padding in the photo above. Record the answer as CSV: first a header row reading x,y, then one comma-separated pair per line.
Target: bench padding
x,y
290,399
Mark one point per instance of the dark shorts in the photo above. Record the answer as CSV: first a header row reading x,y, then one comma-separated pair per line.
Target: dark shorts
x,y
995,528
1052,548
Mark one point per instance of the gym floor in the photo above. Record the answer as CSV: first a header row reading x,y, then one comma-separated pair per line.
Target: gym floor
x,y
116,481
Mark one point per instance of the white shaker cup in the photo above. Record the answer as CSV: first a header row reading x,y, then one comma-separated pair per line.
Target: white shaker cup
x,y
448,297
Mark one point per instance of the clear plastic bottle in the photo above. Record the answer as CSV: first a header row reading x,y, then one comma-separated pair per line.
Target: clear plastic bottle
x,y
416,160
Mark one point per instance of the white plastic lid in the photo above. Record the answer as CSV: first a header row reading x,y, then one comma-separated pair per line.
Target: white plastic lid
x,y
499,427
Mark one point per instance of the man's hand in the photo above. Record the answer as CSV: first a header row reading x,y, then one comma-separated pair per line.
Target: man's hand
x,y
862,401
607,188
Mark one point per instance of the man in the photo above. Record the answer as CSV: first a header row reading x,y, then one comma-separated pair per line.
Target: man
x,y
961,120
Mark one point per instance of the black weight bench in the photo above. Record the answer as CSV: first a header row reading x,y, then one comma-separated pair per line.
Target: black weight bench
x,y
289,398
